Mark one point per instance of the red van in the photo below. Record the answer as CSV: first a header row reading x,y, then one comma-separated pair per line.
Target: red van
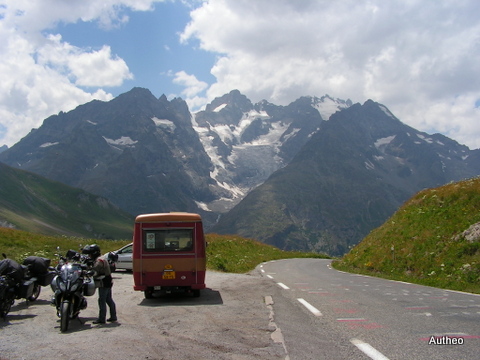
x,y
169,253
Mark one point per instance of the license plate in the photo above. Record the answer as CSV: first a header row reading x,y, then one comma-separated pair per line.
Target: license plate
x,y
168,275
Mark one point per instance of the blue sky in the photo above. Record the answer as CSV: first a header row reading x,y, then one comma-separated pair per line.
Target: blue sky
x,y
149,43
419,58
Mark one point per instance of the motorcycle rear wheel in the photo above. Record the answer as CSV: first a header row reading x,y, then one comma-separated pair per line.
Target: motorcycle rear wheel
x,y
5,306
64,315
36,292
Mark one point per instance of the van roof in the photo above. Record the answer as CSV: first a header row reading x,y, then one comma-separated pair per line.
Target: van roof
x,y
171,216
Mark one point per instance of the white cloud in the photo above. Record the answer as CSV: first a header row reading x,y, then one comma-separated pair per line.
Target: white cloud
x,y
84,68
419,58
42,74
192,88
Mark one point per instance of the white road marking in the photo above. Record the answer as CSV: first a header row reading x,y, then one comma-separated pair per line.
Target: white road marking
x,y
283,286
368,350
310,307
270,277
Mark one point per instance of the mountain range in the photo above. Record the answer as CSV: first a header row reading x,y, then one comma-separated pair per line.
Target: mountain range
x,y
348,179
317,174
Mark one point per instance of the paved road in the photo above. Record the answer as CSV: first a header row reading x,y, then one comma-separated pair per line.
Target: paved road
x,y
327,314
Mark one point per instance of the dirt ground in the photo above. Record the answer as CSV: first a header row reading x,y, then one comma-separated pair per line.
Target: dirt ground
x,y
230,320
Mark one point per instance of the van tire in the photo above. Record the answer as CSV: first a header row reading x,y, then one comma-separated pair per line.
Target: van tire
x,y
148,294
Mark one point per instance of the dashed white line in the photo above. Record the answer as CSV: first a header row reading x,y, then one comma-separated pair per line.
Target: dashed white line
x,y
310,307
368,350
270,277
283,286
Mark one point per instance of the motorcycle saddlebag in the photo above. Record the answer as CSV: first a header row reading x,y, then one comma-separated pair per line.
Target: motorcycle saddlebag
x,y
89,288
45,279
12,269
38,265
26,289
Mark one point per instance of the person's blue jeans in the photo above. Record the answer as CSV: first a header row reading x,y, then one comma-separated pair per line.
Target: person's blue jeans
x,y
104,299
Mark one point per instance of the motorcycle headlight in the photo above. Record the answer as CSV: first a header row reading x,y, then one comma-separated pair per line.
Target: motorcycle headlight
x,y
74,287
61,285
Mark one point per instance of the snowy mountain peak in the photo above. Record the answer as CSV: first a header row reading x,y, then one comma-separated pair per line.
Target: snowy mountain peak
x,y
327,105
233,100
246,142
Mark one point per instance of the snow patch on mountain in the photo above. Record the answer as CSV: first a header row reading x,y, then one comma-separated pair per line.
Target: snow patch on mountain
x,y
386,111
202,206
122,141
384,141
424,138
164,123
218,108
369,165
48,144
207,141
327,106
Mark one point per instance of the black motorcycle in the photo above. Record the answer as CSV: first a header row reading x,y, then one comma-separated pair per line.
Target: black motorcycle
x,y
70,286
7,293
37,270
22,281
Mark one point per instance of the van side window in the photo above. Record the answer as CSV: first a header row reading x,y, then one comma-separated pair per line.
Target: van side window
x,y
168,240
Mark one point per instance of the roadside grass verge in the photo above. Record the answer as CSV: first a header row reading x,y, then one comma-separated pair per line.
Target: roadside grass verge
x,y
18,244
234,254
425,241
225,253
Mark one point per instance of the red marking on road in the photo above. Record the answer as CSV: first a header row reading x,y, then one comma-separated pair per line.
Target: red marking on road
x,y
368,326
348,311
302,286
360,323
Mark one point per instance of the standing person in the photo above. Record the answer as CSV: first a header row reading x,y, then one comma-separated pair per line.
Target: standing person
x,y
104,283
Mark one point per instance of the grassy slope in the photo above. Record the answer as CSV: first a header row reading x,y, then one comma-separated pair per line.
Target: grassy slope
x,y
224,253
39,205
18,244
235,254
419,242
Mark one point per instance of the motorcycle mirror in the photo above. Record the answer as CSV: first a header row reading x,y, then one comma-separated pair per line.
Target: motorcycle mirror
x,y
5,256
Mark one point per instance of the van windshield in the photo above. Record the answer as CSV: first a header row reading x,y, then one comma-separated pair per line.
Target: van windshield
x,y
160,240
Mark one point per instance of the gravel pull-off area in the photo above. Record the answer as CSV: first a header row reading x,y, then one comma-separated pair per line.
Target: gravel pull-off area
x,y
230,320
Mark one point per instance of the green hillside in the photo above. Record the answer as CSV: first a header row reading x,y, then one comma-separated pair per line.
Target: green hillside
x,y
426,241
226,253
33,203
18,244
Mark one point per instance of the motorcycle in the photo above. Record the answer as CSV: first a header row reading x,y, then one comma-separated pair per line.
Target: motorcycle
x,y
37,270
7,294
72,283
22,281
